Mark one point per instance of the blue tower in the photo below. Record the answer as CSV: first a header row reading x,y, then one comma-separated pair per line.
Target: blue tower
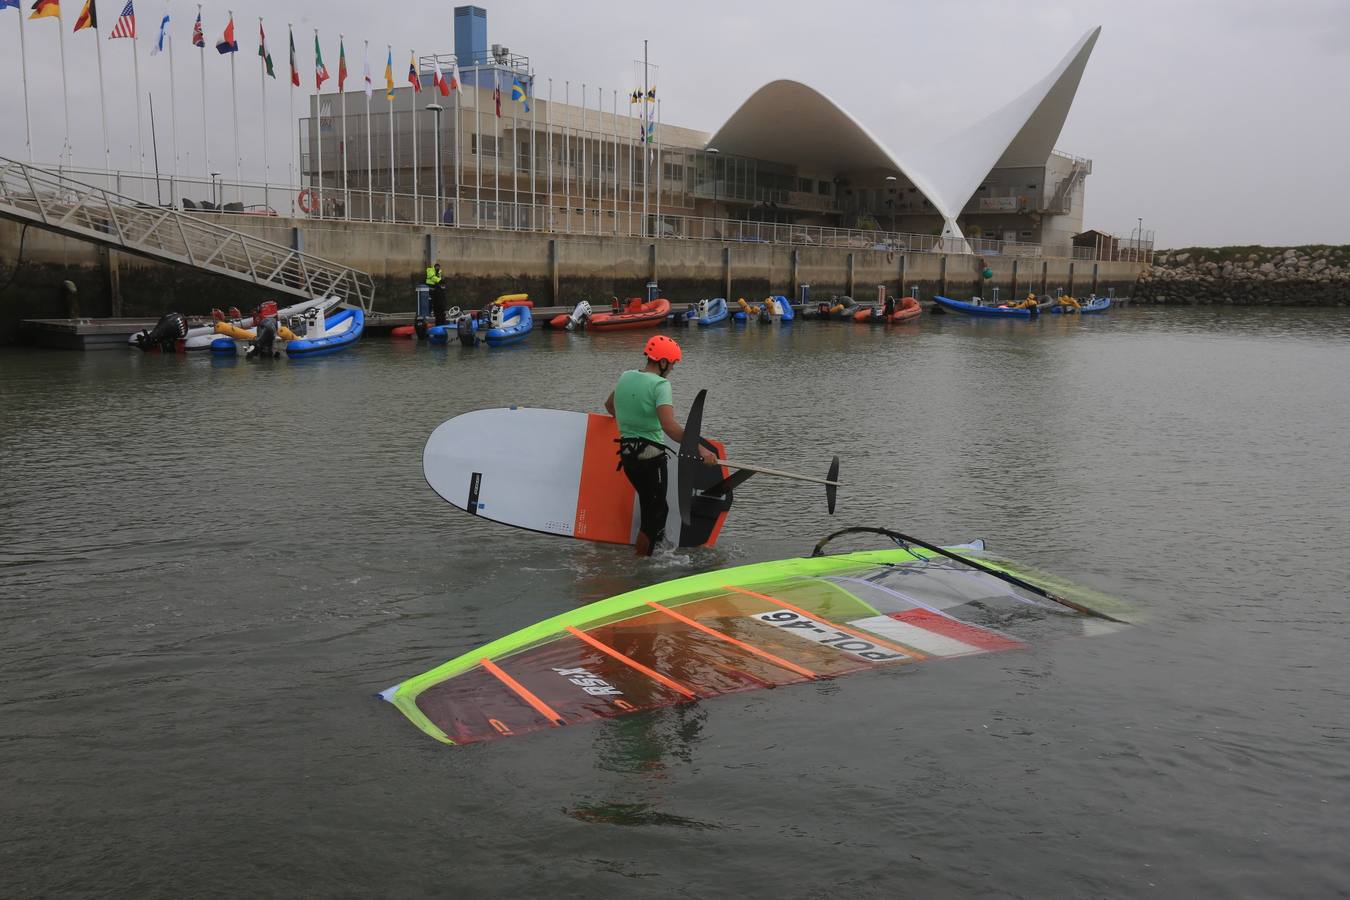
x,y
471,46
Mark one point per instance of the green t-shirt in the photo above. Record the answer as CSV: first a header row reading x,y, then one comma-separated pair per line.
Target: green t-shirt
x,y
636,397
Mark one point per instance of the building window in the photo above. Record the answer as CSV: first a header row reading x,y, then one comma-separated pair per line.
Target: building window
x,y
824,188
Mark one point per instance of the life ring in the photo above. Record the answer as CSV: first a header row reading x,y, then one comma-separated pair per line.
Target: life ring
x,y
309,200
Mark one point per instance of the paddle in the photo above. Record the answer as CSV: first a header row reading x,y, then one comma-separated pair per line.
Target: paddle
x,y
903,539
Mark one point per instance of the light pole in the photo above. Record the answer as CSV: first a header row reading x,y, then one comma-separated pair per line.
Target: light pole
x,y
214,197
890,184
713,152
435,109
1139,244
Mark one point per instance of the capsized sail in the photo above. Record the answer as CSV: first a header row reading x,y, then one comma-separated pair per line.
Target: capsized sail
x,y
755,626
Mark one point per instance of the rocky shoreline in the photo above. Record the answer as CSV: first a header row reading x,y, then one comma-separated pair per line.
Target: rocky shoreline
x,y
1248,276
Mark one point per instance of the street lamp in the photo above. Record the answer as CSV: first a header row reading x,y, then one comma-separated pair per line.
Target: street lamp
x,y
1139,244
214,196
435,109
890,183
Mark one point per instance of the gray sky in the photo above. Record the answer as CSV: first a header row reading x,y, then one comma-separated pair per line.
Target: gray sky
x,y
1217,121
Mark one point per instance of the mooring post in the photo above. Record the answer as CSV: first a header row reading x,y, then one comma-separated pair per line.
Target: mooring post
x,y
726,274
114,284
942,276
429,250
1012,294
900,287
1045,276
651,265
1070,278
1094,279
848,289
297,239
553,270
794,271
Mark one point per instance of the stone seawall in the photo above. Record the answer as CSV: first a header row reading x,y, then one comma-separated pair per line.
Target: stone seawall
x,y
553,269
1248,276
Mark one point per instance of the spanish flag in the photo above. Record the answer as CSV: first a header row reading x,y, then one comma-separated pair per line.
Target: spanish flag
x,y
44,8
88,17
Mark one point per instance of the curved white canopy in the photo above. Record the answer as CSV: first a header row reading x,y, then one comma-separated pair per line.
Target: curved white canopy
x,y
789,122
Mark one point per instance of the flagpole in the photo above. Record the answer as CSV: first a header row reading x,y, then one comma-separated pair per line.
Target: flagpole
x,y
581,145
614,124
262,89
290,151
370,156
660,172
342,90
391,214
206,138
318,130
600,158
234,103
417,206
629,170
567,157
645,116
136,76
459,169
173,117
515,161
548,131
478,146
65,94
102,97
534,159
23,64
497,147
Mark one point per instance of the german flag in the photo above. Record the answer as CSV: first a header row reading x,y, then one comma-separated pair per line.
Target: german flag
x,y
44,8
88,17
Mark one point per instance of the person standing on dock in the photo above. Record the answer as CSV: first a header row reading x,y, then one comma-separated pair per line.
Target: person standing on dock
x,y
643,404
435,281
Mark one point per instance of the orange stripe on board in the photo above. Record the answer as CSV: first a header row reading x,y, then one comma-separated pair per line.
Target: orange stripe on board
x,y
540,706
864,635
776,660
628,661
604,497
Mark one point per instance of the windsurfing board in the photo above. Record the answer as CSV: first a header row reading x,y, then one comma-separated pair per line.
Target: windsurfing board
x,y
556,472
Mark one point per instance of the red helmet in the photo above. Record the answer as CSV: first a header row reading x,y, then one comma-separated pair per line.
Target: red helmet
x,y
662,349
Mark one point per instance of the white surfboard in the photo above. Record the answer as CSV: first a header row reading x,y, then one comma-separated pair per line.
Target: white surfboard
x,y
556,472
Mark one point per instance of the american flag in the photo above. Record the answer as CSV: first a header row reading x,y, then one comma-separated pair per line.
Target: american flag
x,y
126,23
198,39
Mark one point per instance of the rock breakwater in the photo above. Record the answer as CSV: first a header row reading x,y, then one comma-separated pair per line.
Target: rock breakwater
x,y
1248,276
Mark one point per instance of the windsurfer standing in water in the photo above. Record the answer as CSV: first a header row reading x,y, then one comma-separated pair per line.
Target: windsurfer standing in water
x,y
643,405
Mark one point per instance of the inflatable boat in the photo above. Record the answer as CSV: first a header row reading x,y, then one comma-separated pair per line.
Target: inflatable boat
x,y
975,309
708,312
894,312
1090,305
636,313
328,335
202,337
508,325
776,307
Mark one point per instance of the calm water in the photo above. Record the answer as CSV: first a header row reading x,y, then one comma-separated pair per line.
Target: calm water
x,y
207,569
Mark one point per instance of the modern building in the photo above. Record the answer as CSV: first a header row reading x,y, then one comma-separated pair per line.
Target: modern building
x,y
575,161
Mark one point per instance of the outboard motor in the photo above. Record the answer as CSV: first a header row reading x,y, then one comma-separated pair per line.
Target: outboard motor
x,y
265,343
581,314
465,330
168,331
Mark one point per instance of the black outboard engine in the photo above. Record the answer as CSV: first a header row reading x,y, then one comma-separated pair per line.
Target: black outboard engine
x,y
265,343
168,331
464,328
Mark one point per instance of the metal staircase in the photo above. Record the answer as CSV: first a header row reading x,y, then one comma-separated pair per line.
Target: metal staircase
x,y
59,203
1061,200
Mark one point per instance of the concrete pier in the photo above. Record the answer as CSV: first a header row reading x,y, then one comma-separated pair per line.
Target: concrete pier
x,y
554,269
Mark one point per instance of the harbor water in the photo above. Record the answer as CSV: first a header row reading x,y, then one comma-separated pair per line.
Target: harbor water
x,y
208,569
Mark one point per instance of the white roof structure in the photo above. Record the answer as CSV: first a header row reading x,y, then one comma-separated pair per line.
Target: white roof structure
x,y
788,122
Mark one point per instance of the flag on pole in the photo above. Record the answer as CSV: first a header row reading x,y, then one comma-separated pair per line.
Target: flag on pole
x,y
126,24
198,37
295,70
497,99
162,40
263,53
44,8
412,73
389,77
635,97
455,84
88,17
320,70
520,92
438,78
6,4
365,73
227,43
342,64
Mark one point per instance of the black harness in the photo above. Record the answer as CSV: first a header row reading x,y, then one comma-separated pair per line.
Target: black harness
x,y
631,448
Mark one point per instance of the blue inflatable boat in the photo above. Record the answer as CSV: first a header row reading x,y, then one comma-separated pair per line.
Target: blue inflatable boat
x,y
975,309
708,312
1090,305
507,325
336,332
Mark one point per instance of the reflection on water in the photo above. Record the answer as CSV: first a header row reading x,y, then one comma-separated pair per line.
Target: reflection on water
x,y
208,567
